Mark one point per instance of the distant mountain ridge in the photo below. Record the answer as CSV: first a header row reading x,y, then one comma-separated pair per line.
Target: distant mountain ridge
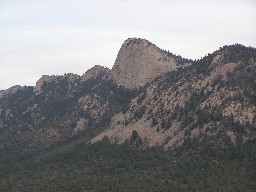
x,y
166,99
138,62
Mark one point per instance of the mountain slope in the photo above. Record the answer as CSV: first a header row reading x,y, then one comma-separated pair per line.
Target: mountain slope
x,y
59,109
213,98
181,99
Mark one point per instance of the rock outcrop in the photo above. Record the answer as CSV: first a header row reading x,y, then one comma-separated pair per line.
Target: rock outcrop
x,y
10,91
138,62
44,79
95,71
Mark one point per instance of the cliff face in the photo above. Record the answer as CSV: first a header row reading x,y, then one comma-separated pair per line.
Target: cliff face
x,y
139,62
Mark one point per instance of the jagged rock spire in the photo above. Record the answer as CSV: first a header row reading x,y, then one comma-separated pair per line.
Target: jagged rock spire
x,y
138,62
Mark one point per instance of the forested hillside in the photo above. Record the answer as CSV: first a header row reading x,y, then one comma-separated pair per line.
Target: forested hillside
x,y
112,167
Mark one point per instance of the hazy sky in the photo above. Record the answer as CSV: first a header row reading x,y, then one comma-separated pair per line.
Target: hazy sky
x,y
70,36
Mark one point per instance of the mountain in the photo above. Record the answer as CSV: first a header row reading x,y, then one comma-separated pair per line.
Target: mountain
x,y
60,108
177,99
214,98
149,98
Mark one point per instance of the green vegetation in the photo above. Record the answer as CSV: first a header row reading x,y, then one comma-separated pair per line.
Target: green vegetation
x,y
111,167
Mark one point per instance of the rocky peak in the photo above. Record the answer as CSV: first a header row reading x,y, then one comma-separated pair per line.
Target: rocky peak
x,y
235,53
44,79
71,78
10,91
138,62
95,71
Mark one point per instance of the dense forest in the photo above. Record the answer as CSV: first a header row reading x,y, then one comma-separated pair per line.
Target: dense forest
x,y
107,166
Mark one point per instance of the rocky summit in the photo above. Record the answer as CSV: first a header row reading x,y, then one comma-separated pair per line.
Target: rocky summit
x,y
138,62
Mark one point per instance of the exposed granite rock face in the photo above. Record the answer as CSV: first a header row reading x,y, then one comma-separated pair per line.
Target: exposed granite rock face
x,y
73,81
10,91
95,71
138,62
72,78
68,82
44,79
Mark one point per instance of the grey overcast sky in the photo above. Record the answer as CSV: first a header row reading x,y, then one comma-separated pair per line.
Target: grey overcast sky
x,y
54,37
